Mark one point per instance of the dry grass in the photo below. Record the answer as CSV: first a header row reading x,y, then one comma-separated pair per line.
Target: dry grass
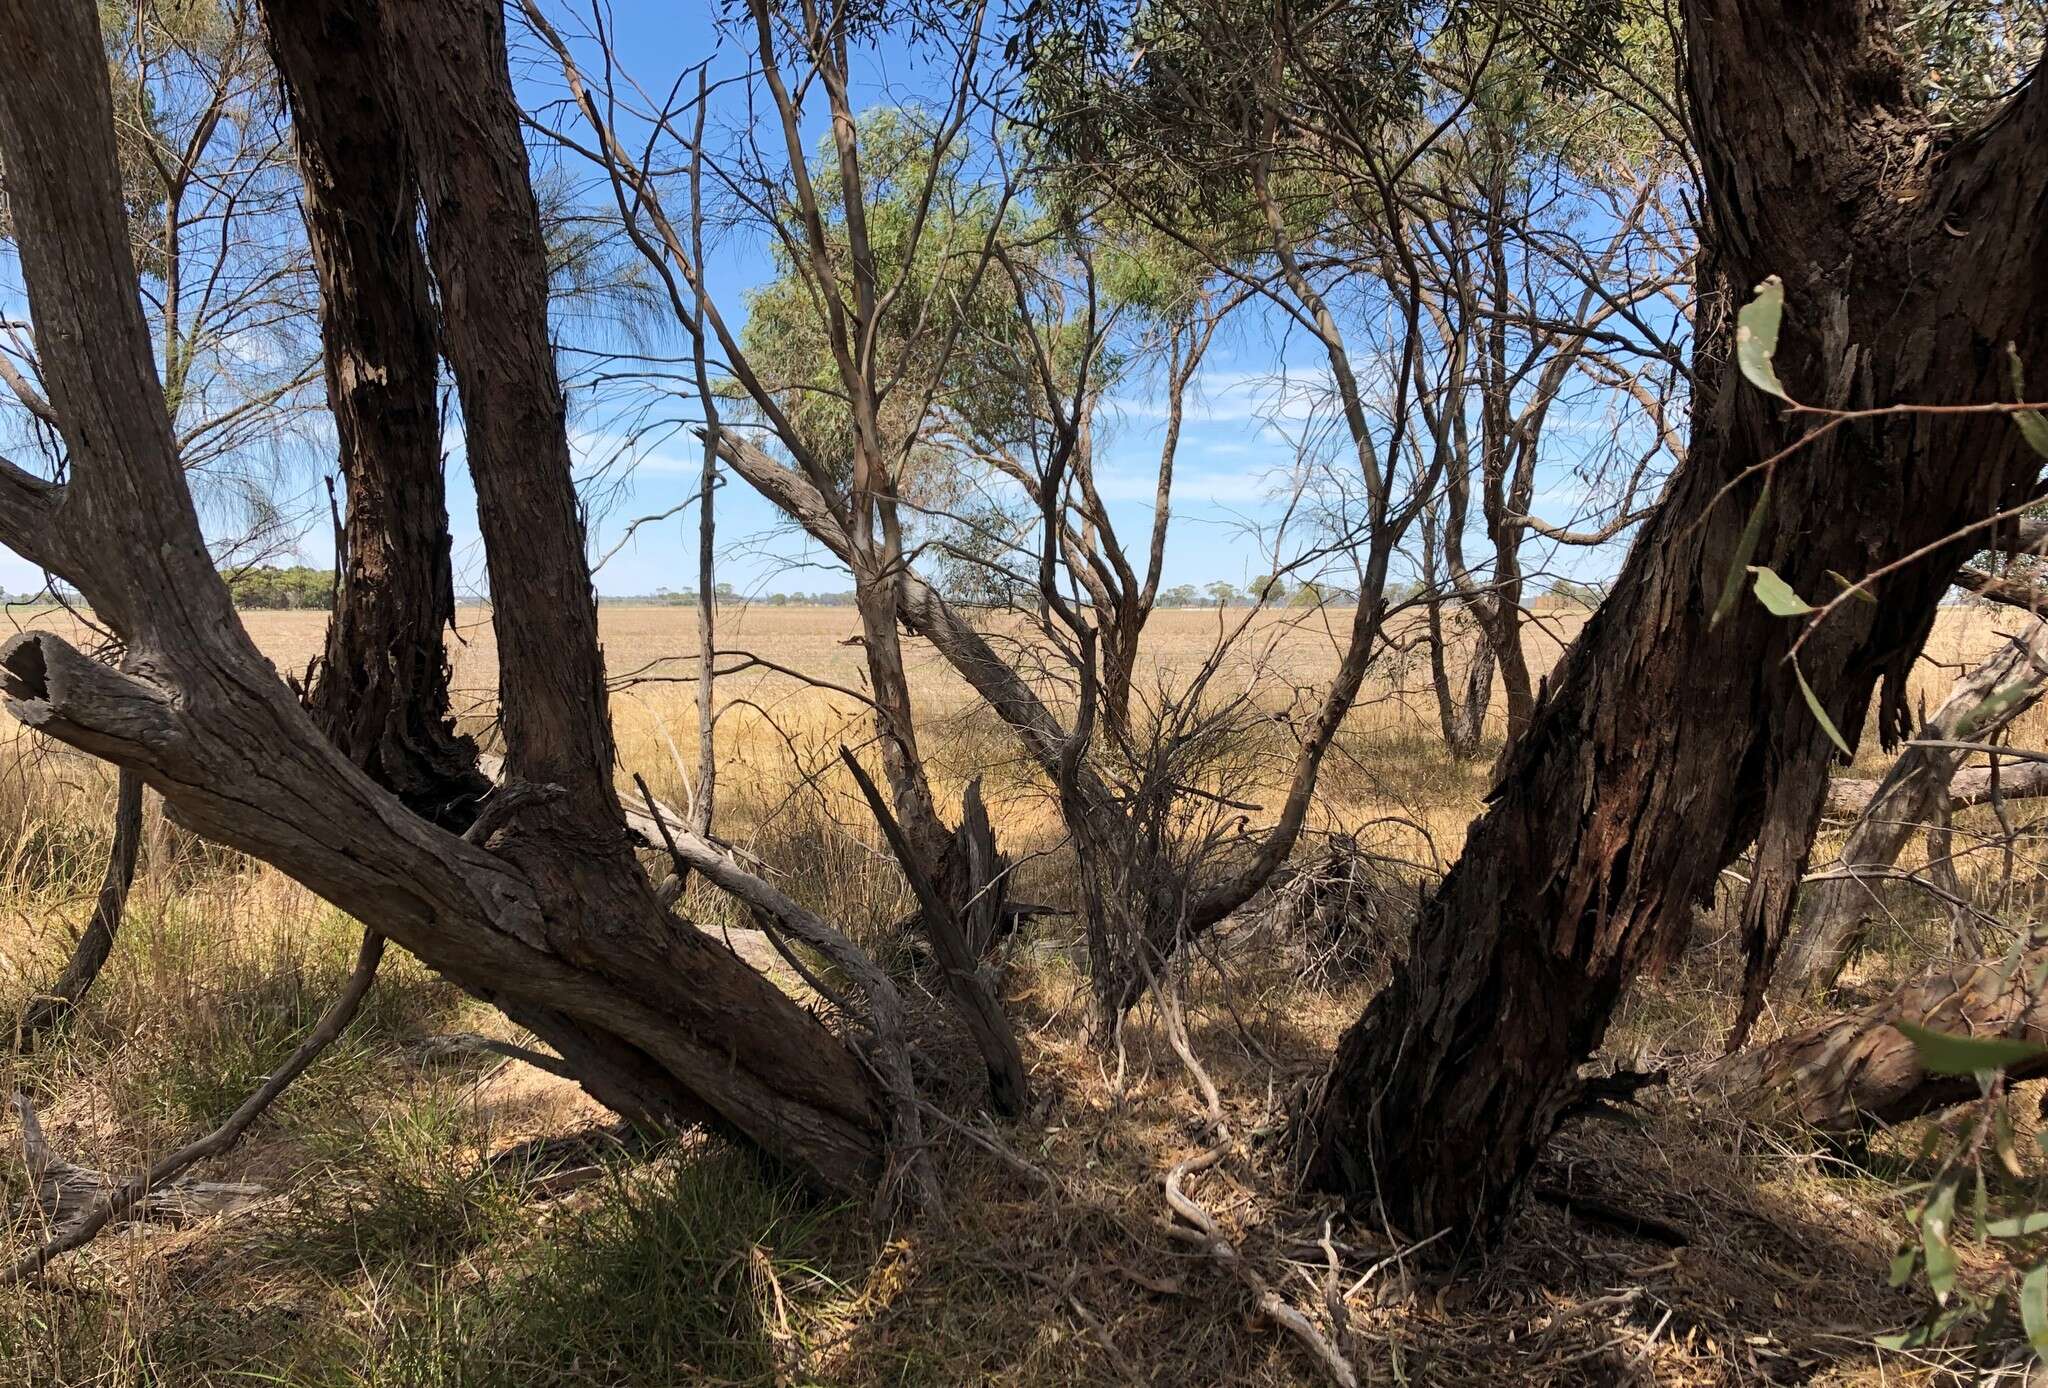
x,y
394,1252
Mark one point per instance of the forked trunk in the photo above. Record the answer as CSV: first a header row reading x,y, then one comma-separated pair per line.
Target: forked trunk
x,y
380,692
540,907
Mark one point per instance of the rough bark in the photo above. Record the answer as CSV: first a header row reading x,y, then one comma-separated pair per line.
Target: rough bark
x,y
550,917
89,955
1859,1069
381,690
1666,743
1917,792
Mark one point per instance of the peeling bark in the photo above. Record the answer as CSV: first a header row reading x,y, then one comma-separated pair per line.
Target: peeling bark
x,y
381,688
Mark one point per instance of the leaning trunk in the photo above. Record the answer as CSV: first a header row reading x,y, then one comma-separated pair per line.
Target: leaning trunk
x,y
1667,742
539,907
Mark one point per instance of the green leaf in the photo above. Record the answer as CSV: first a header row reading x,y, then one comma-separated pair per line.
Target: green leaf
x,y
1745,547
1756,336
1827,724
1980,1202
1903,1265
2033,428
1849,587
1943,1054
1994,706
2019,1226
1941,1254
2034,1308
1777,595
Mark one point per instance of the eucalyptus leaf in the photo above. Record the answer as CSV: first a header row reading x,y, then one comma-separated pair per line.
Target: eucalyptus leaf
x,y
1827,724
1935,1220
2004,1141
1756,336
2033,428
1777,595
1943,1054
1994,705
1745,547
2034,1308
2019,1226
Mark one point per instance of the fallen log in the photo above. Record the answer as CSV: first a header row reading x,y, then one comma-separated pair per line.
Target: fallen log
x,y
1850,796
66,1191
1857,1069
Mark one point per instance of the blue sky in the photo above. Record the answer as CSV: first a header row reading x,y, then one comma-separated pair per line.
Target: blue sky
x,y
1249,417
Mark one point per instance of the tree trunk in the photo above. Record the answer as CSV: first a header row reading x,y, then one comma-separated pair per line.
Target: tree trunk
x,y
1852,1071
1122,631
1665,742
1461,725
1478,698
1915,793
540,908
381,693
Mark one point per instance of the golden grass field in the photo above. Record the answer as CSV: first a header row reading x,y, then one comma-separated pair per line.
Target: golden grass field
x,y
393,1249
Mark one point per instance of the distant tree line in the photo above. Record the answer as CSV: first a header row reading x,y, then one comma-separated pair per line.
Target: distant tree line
x,y
262,586
1274,590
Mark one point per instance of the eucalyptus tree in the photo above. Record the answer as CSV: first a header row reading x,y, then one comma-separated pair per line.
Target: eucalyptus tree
x,y
924,318
539,905
1556,287
1669,738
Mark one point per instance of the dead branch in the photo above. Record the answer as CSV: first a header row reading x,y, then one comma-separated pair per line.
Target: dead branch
x,y
1857,1069
1200,1228
117,1203
89,956
971,990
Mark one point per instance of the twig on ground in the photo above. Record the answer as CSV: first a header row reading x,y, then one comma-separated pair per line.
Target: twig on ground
x,y
118,1202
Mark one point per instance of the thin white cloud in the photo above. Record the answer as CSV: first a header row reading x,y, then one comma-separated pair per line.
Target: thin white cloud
x,y
668,455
